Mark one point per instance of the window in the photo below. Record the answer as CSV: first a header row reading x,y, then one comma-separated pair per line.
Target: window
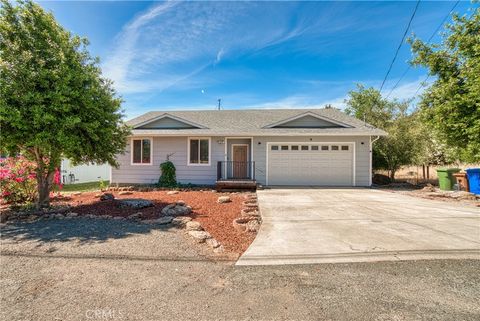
x,y
199,151
344,147
142,151
334,147
284,147
314,147
294,147
274,147
324,147
304,147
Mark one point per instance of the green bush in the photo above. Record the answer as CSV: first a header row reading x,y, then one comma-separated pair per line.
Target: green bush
x,y
168,177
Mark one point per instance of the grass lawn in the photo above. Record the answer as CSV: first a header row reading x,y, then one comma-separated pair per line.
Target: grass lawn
x,y
82,187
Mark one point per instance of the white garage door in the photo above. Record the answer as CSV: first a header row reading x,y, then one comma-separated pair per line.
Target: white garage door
x,y
320,164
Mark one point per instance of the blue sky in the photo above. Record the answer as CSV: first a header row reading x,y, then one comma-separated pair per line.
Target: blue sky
x,y
185,55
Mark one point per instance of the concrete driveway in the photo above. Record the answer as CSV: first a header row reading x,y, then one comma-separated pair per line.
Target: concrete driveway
x,y
358,225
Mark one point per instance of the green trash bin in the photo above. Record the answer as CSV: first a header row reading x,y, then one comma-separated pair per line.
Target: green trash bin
x,y
446,179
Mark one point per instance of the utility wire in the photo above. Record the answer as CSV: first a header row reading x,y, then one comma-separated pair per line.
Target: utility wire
x,y
428,41
400,45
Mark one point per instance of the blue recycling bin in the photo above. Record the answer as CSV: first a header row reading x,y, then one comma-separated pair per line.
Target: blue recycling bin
x,y
473,175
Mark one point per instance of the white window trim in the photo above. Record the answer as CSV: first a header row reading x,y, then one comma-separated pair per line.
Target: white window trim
x,y
209,151
131,151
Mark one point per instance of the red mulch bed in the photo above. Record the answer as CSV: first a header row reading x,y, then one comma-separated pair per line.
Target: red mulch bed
x,y
215,218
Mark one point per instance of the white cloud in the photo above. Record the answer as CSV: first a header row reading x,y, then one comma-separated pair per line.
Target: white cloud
x,y
407,90
299,102
172,41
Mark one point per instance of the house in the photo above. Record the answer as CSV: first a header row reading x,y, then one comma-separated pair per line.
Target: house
x,y
317,147
84,173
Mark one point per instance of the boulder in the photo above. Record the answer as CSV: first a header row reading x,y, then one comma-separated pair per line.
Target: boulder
x,y
172,192
176,210
135,203
162,220
125,193
181,203
199,236
193,226
253,226
219,249
107,197
76,193
213,243
224,199
181,221
135,216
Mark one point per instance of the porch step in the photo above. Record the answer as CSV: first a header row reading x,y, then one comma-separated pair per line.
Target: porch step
x,y
236,184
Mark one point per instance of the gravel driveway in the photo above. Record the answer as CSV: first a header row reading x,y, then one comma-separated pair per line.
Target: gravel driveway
x,y
83,269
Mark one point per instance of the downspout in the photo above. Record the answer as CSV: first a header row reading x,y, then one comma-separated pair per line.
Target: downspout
x,y
371,157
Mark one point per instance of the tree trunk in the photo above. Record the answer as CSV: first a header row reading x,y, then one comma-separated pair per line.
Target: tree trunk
x,y
44,184
392,175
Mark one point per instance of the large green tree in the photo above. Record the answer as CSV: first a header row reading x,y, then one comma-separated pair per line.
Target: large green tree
x,y
402,145
54,101
451,106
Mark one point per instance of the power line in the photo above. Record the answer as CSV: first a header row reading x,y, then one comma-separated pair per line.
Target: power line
x,y
428,41
400,45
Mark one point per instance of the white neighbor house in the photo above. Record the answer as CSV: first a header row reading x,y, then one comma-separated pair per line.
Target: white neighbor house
x,y
83,173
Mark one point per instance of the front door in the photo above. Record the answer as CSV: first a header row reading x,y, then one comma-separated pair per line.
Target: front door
x,y
240,161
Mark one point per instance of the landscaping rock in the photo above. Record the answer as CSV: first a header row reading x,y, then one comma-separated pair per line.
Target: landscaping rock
x,y
77,193
429,188
219,249
193,226
176,210
172,192
200,236
162,220
118,218
181,203
135,216
135,203
253,226
72,214
181,221
125,193
107,197
213,243
224,199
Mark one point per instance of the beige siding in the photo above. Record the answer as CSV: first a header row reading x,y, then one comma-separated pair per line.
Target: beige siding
x,y
149,174
162,146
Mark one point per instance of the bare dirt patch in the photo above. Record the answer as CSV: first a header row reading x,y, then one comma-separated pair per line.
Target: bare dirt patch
x,y
433,193
216,218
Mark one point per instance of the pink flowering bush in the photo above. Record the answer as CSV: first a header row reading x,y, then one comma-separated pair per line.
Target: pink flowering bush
x,y
18,183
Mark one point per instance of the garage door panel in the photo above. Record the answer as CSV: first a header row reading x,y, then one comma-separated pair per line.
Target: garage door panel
x,y
310,167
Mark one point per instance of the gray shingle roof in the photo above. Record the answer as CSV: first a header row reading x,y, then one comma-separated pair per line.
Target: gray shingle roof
x,y
250,122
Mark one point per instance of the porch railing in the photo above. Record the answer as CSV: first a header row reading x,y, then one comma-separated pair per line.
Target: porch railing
x,y
233,170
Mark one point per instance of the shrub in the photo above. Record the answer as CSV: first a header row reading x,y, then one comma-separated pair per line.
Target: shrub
x,y
168,177
18,181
